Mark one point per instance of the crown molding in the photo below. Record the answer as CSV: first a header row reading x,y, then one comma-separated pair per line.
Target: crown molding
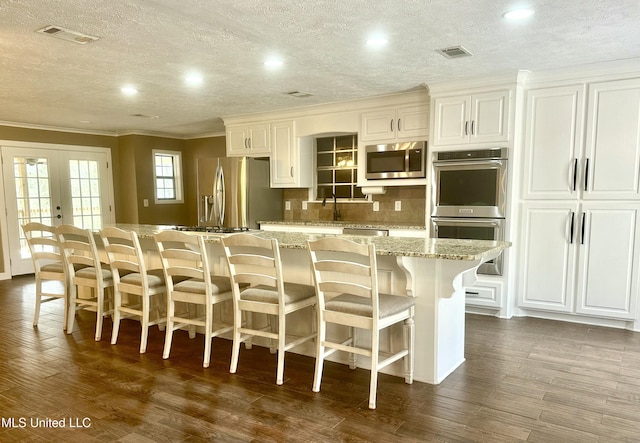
x,y
57,129
419,95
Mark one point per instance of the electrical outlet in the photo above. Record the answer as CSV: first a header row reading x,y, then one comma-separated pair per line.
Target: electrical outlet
x,y
304,205
376,206
287,205
145,202
398,206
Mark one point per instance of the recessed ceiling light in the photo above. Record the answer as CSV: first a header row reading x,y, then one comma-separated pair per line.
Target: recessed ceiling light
x,y
273,63
193,79
128,90
377,42
518,14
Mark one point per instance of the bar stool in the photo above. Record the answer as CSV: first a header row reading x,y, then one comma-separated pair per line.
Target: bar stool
x,y
189,280
48,265
85,270
347,271
255,262
143,288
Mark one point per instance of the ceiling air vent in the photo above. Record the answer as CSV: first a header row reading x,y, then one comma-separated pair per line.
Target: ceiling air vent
x,y
299,94
67,34
145,116
454,52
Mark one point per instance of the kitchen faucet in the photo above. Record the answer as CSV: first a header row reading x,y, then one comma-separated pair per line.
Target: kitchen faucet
x,y
336,214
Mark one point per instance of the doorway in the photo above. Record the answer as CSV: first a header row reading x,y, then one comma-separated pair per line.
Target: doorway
x,y
53,184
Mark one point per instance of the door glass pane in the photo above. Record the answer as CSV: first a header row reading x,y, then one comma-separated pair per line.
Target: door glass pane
x,y
85,194
31,178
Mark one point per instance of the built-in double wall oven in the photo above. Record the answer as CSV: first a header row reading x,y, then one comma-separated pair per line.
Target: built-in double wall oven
x,y
469,197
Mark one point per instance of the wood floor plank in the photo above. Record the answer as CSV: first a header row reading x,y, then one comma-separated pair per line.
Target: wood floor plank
x,y
524,380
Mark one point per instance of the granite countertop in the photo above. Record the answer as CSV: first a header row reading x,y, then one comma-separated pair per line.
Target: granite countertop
x,y
419,246
343,224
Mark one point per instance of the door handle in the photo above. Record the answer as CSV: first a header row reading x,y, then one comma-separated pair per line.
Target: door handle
x,y
399,120
582,228
575,174
571,227
466,127
391,125
586,174
472,127
291,171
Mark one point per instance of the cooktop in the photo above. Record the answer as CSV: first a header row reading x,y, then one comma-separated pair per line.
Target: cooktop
x,y
211,229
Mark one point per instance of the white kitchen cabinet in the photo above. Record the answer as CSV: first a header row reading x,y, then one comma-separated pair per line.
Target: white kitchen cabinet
x,y
395,124
608,262
249,140
291,158
553,142
611,168
580,258
559,164
476,118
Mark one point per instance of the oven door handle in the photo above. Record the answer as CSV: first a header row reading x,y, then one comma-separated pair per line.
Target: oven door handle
x,y
469,164
467,221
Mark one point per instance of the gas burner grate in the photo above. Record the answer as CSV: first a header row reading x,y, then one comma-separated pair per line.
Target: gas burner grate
x,y
212,229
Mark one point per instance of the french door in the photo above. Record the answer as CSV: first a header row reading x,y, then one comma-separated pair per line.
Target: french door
x,y
53,186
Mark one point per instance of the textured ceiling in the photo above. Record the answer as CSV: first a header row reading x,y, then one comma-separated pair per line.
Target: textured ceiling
x,y
152,44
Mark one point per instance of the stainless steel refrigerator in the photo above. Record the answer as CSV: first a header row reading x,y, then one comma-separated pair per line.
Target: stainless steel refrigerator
x,y
234,192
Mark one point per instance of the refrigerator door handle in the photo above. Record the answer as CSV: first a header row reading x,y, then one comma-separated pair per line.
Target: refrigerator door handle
x,y
219,196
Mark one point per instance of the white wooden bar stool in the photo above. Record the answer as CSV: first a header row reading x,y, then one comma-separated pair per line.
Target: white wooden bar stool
x,y
346,281
48,265
190,281
143,289
85,270
255,263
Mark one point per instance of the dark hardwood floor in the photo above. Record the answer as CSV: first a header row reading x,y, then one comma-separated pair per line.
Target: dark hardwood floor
x,y
524,380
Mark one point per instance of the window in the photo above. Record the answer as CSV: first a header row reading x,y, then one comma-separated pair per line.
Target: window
x,y
167,176
337,167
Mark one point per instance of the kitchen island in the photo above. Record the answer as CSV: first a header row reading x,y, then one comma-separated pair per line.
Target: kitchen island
x,y
429,269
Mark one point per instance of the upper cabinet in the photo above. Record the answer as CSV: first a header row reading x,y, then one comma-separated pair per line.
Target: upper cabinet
x,y
611,164
395,124
249,140
476,118
291,157
553,141
559,164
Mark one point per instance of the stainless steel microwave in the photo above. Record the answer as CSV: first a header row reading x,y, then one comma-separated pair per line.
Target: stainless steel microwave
x,y
396,160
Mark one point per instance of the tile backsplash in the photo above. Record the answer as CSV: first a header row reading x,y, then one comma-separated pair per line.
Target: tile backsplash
x,y
412,198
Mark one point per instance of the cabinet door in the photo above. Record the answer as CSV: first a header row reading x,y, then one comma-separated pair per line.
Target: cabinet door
x,y
489,120
259,140
413,123
608,263
451,120
611,168
379,125
283,158
237,141
553,140
548,256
